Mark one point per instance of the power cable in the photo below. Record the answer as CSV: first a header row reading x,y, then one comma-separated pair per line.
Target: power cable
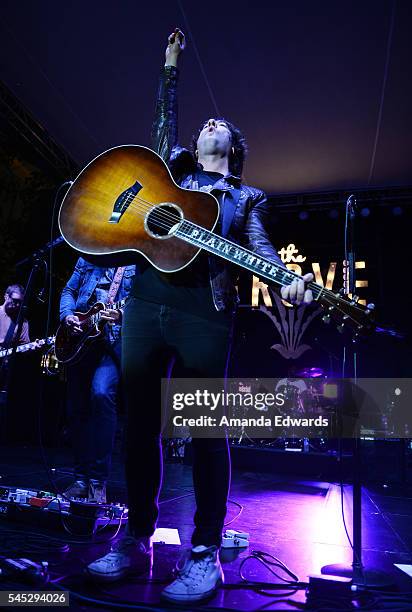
x,y
199,59
51,248
385,78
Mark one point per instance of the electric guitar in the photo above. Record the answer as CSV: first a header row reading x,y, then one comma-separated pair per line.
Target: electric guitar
x,y
68,347
126,200
29,346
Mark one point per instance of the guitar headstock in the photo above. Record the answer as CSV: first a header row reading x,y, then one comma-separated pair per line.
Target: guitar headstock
x,y
347,312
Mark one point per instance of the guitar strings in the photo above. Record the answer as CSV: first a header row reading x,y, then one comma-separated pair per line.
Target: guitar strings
x,y
184,223
158,215
130,200
175,219
161,214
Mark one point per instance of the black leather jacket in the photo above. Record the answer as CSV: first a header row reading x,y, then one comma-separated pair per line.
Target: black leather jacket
x,y
244,209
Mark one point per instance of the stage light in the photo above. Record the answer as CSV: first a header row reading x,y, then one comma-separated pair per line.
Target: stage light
x,y
397,211
365,212
303,215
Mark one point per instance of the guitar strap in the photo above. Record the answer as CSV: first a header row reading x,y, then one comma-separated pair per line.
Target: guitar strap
x,y
9,335
4,370
115,284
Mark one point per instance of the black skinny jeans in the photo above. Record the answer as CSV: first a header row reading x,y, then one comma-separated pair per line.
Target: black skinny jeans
x,y
92,397
151,334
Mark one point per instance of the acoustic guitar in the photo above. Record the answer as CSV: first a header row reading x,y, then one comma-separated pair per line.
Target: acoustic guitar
x,y
125,200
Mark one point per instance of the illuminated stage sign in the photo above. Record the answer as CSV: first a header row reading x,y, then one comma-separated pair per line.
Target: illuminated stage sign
x,y
293,260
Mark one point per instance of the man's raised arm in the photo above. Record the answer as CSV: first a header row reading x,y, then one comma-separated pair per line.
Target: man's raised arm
x,y
164,128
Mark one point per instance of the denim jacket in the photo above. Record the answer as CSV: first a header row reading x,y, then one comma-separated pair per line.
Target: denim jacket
x,y
79,292
244,209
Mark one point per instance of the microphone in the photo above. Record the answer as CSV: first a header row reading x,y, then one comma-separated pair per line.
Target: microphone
x,y
351,205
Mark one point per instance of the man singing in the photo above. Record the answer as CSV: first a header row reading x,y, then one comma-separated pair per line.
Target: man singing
x,y
187,315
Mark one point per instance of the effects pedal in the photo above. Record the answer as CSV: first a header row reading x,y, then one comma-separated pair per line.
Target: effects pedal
x,y
24,570
45,509
235,539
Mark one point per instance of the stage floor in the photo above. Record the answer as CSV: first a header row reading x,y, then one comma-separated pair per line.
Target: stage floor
x,y
299,522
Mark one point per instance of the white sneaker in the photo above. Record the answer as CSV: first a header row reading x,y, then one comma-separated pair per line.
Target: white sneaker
x,y
127,556
198,577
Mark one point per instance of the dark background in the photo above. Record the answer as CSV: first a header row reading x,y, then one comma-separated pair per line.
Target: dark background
x,y
304,80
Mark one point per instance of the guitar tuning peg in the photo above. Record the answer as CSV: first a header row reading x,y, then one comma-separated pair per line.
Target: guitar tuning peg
x,y
369,309
326,319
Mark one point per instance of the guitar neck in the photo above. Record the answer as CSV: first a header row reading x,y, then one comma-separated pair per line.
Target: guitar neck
x,y
26,347
95,318
349,311
118,305
238,255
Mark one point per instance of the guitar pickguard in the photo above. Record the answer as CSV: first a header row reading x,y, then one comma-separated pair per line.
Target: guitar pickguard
x,y
123,202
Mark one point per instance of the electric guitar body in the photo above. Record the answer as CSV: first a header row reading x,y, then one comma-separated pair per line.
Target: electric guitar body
x,y
70,347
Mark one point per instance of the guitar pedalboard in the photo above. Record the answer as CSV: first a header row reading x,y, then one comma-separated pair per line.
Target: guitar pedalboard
x,y
45,509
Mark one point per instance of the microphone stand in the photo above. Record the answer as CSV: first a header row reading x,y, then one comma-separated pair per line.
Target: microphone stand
x,y
361,576
37,259
40,252
7,366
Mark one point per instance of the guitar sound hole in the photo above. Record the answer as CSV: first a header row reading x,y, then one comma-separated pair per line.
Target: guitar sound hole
x,y
163,220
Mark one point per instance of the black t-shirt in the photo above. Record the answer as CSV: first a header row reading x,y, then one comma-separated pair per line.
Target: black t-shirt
x,y
189,289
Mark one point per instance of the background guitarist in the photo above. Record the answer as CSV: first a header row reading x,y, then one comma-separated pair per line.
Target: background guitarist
x,y
14,329
188,314
93,382
9,310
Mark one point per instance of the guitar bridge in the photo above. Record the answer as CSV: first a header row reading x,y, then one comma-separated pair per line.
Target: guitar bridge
x,y
123,202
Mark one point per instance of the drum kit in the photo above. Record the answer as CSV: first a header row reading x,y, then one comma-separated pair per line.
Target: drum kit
x,y
303,397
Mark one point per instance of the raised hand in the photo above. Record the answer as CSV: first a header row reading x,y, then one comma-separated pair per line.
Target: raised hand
x,y
176,43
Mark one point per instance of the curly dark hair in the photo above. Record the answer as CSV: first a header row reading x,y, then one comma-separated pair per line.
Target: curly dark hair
x,y
236,159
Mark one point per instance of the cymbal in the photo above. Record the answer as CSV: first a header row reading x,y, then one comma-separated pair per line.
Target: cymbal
x,y
311,372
